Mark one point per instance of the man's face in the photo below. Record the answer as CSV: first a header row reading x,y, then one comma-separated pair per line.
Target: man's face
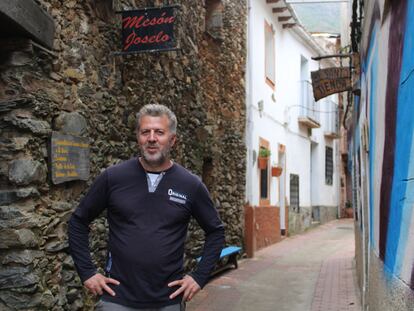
x,y
155,140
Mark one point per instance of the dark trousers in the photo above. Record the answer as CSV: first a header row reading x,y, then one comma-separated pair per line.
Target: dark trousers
x,y
110,306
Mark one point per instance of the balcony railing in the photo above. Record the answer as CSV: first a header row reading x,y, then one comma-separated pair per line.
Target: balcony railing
x,y
309,112
332,124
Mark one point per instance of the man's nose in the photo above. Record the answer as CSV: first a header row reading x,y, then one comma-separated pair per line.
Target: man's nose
x,y
152,136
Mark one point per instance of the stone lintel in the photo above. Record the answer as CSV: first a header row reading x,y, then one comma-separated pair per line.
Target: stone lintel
x,y
24,18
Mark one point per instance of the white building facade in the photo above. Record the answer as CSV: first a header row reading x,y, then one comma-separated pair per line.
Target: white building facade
x,y
283,117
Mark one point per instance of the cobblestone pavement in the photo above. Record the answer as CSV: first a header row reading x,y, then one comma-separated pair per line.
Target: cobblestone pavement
x,y
314,271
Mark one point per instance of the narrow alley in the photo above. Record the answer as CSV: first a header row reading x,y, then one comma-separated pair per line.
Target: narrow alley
x,y
313,271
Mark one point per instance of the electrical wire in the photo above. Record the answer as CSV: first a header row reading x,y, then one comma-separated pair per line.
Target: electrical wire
x,y
334,111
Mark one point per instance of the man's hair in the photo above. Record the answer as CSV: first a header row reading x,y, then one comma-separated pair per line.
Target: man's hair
x,y
157,110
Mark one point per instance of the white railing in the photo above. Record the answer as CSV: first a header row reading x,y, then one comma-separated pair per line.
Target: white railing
x,y
332,124
308,107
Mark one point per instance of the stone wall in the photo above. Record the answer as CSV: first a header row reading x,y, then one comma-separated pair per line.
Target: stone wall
x,y
299,222
323,213
309,216
82,88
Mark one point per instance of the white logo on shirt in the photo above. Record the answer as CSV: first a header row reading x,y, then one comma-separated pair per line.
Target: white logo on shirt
x,y
177,197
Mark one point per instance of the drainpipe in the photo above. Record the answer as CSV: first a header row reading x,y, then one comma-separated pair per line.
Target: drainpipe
x,y
249,211
249,102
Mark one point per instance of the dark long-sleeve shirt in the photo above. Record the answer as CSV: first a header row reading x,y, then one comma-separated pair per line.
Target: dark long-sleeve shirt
x,y
147,231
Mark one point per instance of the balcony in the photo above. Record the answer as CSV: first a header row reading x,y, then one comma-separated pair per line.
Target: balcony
x,y
332,124
308,113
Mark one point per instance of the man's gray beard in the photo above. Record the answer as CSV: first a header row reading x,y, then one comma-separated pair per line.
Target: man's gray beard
x,y
155,161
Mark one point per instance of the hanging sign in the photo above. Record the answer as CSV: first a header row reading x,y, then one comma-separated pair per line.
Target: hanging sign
x,y
330,81
148,30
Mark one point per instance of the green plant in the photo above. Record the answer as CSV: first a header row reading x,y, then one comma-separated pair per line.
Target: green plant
x,y
348,204
264,152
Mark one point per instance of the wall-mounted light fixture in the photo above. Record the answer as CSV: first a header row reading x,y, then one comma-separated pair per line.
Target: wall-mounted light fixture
x,y
260,105
273,97
254,157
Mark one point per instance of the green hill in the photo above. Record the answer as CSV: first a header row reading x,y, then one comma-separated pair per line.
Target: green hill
x,y
319,17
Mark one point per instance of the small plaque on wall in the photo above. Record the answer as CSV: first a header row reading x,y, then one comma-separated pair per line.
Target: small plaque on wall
x,y
69,158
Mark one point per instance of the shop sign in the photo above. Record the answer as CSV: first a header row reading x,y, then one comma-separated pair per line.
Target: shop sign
x,y
330,81
148,30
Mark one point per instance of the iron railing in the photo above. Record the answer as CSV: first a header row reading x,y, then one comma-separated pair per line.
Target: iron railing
x,y
308,107
332,124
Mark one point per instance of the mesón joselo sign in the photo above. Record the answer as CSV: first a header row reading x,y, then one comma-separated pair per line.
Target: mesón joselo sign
x,y
148,30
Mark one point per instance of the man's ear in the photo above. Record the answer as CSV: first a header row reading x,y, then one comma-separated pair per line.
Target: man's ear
x,y
173,139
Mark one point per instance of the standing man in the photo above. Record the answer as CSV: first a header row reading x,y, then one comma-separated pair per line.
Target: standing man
x,y
149,202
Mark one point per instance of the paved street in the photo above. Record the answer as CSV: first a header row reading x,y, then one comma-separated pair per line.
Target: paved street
x,y
314,271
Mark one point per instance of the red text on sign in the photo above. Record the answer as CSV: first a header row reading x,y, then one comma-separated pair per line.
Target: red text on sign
x,y
140,21
133,39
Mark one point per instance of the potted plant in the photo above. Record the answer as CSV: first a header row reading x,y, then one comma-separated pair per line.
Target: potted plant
x,y
263,158
276,170
349,211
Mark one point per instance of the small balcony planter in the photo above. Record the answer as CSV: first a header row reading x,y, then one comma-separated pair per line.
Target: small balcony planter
x,y
262,162
263,158
277,171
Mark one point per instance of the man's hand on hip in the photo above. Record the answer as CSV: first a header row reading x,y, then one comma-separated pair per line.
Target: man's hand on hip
x,y
97,284
188,287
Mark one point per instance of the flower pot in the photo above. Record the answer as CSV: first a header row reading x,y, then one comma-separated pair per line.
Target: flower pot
x,y
276,171
262,162
349,212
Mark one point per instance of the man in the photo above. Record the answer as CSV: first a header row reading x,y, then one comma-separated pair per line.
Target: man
x,y
149,202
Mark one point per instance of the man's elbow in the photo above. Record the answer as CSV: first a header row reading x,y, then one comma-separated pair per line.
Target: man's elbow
x,y
218,233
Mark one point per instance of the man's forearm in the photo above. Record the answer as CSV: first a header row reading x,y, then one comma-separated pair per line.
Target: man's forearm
x,y
213,245
79,248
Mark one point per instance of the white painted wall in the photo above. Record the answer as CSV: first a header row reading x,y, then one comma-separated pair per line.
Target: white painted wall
x,y
346,18
278,122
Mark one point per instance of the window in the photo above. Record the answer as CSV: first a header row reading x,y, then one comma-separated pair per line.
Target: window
x,y
264,178
328,165
264,183
294,193
214,18
269,55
